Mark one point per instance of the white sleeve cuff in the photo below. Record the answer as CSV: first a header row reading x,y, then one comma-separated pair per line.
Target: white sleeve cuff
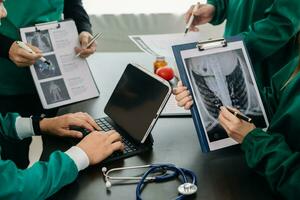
x,y
24,127
79,157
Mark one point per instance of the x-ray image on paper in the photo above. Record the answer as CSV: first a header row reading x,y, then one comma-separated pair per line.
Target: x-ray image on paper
x,y
222,79
40,39
55,91
43,70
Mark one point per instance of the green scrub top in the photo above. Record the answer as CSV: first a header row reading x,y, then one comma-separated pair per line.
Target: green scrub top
x,y
22,13
39,181
269,29
275,154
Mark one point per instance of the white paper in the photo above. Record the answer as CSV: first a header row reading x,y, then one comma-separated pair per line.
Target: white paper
x,y
161,44
68,79
172,109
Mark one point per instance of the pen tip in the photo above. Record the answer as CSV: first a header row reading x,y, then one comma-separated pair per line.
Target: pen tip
x,y
47,62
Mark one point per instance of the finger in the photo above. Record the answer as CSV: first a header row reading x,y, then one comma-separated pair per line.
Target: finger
x,y
20,64
78,50
90,120
114,137
184,101
73,121
117,146
179,89
179,84
34,48
71,133
29,56
188,105
86,52
232,108
194,28
228,115
23,61
182,95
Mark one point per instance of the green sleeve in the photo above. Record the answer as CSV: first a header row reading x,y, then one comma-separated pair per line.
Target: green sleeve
x,y
268,35
8,123
269,100
271,157
220,12
39,181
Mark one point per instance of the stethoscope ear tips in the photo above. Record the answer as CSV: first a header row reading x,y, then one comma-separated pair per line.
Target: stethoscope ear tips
x,y
107,184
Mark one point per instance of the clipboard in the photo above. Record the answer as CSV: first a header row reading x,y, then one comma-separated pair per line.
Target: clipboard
x,y
218,73
68,79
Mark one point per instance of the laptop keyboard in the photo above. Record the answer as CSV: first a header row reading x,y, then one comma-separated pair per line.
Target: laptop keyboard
x,y
106,126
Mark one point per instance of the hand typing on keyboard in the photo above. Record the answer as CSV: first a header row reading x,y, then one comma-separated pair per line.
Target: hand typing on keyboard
x,y
64,125
99,145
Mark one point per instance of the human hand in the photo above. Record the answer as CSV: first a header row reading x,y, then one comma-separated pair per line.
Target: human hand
x,y
100,145
61,125
23,58
203,14
3,12
236,128
85,38
183,96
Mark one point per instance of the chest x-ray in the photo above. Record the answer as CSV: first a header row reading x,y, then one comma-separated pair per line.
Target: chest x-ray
x,y
40,39
222,79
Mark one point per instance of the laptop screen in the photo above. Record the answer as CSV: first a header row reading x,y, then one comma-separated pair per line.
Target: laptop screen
x,y
135,101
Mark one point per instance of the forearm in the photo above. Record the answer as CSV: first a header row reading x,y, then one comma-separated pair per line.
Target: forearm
x,y
39,181
220,11
270,156
74,9
5,44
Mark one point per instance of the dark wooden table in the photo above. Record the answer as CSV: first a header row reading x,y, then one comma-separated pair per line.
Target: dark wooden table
x,y
222,175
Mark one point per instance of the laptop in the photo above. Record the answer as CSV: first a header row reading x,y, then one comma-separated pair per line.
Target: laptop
x,y
134,108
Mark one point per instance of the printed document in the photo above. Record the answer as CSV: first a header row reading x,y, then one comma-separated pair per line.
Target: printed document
x,y
66,78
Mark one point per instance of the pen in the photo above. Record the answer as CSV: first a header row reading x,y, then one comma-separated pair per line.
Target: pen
x,y
27,48
239,115
191,19
91,42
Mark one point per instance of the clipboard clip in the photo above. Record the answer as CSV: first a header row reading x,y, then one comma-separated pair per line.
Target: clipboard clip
x,y
47,26
210,44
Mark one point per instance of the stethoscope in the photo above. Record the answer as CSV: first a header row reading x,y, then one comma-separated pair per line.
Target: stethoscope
x,y
167,172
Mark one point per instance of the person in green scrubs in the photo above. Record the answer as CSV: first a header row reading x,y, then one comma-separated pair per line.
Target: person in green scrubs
x,y
274,153
17,90
43,179
268,28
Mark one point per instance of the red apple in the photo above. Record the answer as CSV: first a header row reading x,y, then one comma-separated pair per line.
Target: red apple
x,y
166,73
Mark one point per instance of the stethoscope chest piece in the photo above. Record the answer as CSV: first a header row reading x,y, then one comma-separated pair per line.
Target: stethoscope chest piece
x,y
187,189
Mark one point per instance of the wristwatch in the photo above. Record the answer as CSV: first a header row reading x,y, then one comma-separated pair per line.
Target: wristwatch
x,y
36,119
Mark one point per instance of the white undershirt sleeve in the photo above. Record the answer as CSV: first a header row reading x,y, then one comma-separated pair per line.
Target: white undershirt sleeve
x,y
79,157
24,127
